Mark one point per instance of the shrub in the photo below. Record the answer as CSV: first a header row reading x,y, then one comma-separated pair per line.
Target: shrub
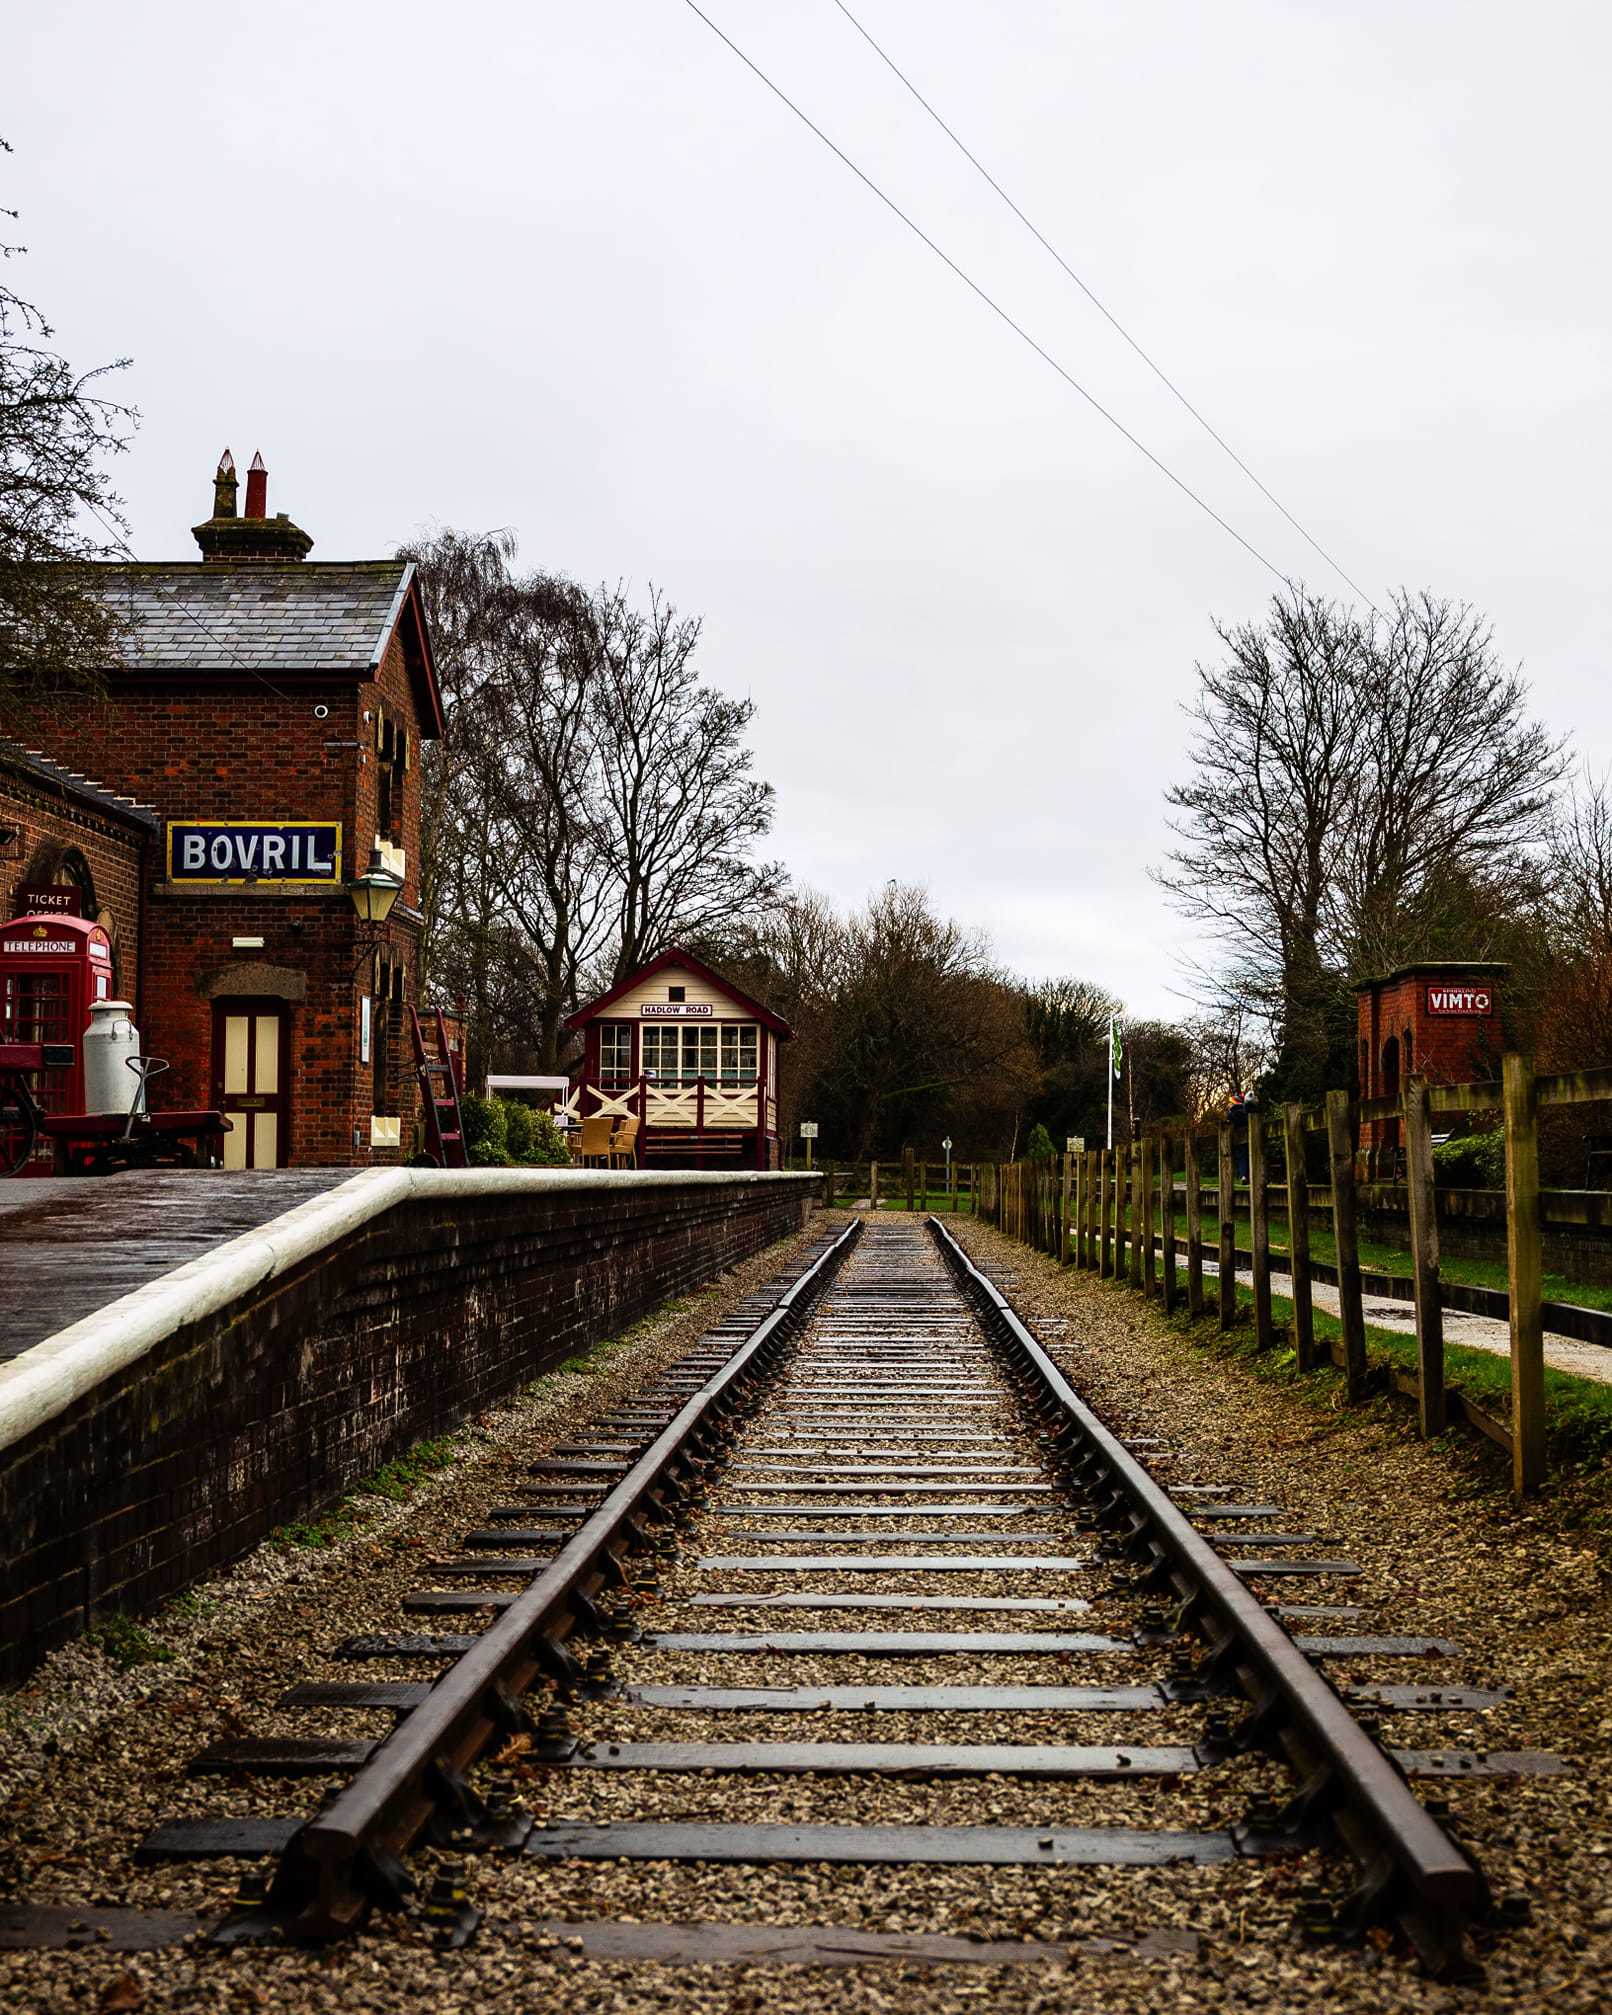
x,y
517,1128
1471,1161
1039,1146
548,1148
485,1129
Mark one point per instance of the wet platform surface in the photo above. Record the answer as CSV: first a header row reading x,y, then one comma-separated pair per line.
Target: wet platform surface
x,y
69,1245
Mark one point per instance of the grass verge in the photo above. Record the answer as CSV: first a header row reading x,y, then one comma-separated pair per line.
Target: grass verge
x,y
1379,1258
1578,1411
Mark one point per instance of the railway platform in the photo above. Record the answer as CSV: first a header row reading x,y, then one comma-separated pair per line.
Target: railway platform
x,y
70,1248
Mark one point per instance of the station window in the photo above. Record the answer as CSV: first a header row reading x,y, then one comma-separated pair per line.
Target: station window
x,y
615,1055
740,1049
677,993
675,1055
391,766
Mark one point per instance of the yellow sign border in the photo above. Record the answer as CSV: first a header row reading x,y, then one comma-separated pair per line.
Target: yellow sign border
x,y
256,881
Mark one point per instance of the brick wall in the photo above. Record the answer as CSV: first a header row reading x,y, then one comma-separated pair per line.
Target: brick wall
x,y
273,1405
242,750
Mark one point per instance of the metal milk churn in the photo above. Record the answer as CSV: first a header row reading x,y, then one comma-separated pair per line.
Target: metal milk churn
x,y
109,1041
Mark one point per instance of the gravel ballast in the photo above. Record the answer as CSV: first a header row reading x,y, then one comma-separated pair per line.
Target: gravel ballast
x,y
89,1755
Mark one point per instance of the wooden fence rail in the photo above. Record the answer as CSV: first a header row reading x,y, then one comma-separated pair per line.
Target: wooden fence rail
x,y
1113,1211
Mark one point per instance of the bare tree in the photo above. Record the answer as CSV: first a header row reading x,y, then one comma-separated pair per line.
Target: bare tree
x,y
589,802
1455,789
923,1018
1364,794
59,634
1577,1003
1278,729
678,808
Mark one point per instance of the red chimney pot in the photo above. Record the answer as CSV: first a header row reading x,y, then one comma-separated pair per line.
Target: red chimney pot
x,y
257,489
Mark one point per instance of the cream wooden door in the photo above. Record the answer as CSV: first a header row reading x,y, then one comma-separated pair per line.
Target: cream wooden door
x,y
250,1081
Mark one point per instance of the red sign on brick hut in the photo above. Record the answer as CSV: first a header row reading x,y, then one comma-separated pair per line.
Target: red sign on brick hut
x,y
690,1058
1440,1021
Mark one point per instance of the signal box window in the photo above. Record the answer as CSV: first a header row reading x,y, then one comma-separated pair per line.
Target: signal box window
x,y
678,1055
615,1055
739,1052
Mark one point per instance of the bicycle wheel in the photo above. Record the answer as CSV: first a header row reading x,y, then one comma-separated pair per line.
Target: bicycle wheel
x,y
17,1130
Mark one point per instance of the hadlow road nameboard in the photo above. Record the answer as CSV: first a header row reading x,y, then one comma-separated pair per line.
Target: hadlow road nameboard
x,y
279,852
676,1011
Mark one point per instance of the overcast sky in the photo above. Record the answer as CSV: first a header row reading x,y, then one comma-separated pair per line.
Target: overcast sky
x,y
572,269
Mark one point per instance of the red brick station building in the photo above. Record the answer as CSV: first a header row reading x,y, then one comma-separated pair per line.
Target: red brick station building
x,y
227,814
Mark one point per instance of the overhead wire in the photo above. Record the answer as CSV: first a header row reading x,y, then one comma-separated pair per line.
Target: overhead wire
x,y
1107,313
989,300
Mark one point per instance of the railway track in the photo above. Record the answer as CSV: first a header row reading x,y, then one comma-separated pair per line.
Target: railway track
x,y
864,1558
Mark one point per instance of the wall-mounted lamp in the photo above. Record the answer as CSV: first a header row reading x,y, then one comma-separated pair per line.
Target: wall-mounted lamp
x,y
375,890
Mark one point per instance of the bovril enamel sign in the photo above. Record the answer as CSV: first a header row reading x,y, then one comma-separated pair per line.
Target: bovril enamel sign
x,y
306,852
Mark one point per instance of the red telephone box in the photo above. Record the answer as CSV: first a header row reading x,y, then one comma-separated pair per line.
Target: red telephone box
x,y
52,971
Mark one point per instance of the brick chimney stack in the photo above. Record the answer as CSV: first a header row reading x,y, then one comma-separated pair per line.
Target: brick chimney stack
x,y
257,488
255,540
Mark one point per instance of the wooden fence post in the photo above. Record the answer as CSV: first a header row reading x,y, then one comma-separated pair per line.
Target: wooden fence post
x,y
1525,1265
1432,1409
828,1185
1133,1264
1085,1218
1116,1183
1226,1286
1298,1236
1066,1176
1088,1228
1146,1179
1351,1317
873,1185
1104,1194
909,1174
1167,1219
1259,1227
1121,1204
1194,1227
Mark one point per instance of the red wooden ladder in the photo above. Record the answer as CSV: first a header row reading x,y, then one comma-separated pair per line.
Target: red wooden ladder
x,y
439,1095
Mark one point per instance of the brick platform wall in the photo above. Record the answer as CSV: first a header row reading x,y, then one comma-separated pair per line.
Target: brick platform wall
x,y
273,1405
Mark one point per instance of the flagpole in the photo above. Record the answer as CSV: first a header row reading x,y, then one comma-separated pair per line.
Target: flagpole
x,y
1110,1081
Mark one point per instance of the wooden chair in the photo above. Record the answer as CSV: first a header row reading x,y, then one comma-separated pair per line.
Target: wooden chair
x,y
592,1146
624,1144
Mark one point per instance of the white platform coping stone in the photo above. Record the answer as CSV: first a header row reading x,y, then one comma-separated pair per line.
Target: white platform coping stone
x,y
44,1380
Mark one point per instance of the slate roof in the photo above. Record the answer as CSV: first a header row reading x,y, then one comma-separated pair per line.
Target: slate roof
x,y
315,616
38,768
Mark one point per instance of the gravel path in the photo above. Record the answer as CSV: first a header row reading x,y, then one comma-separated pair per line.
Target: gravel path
x,y
90,1756
1477,1332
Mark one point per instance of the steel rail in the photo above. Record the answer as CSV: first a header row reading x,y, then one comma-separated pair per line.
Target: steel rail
x,y
1412,1868
349,1855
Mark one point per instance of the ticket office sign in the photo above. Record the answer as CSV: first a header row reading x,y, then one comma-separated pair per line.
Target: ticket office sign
x,y
279,853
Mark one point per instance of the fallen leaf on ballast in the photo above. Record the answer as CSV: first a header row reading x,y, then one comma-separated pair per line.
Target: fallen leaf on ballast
x,y
121,1991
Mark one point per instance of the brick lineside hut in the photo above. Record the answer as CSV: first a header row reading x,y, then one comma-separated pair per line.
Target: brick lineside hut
x,y
271,709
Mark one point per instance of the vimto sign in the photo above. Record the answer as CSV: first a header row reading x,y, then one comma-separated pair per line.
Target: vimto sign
x,y
1460,1000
